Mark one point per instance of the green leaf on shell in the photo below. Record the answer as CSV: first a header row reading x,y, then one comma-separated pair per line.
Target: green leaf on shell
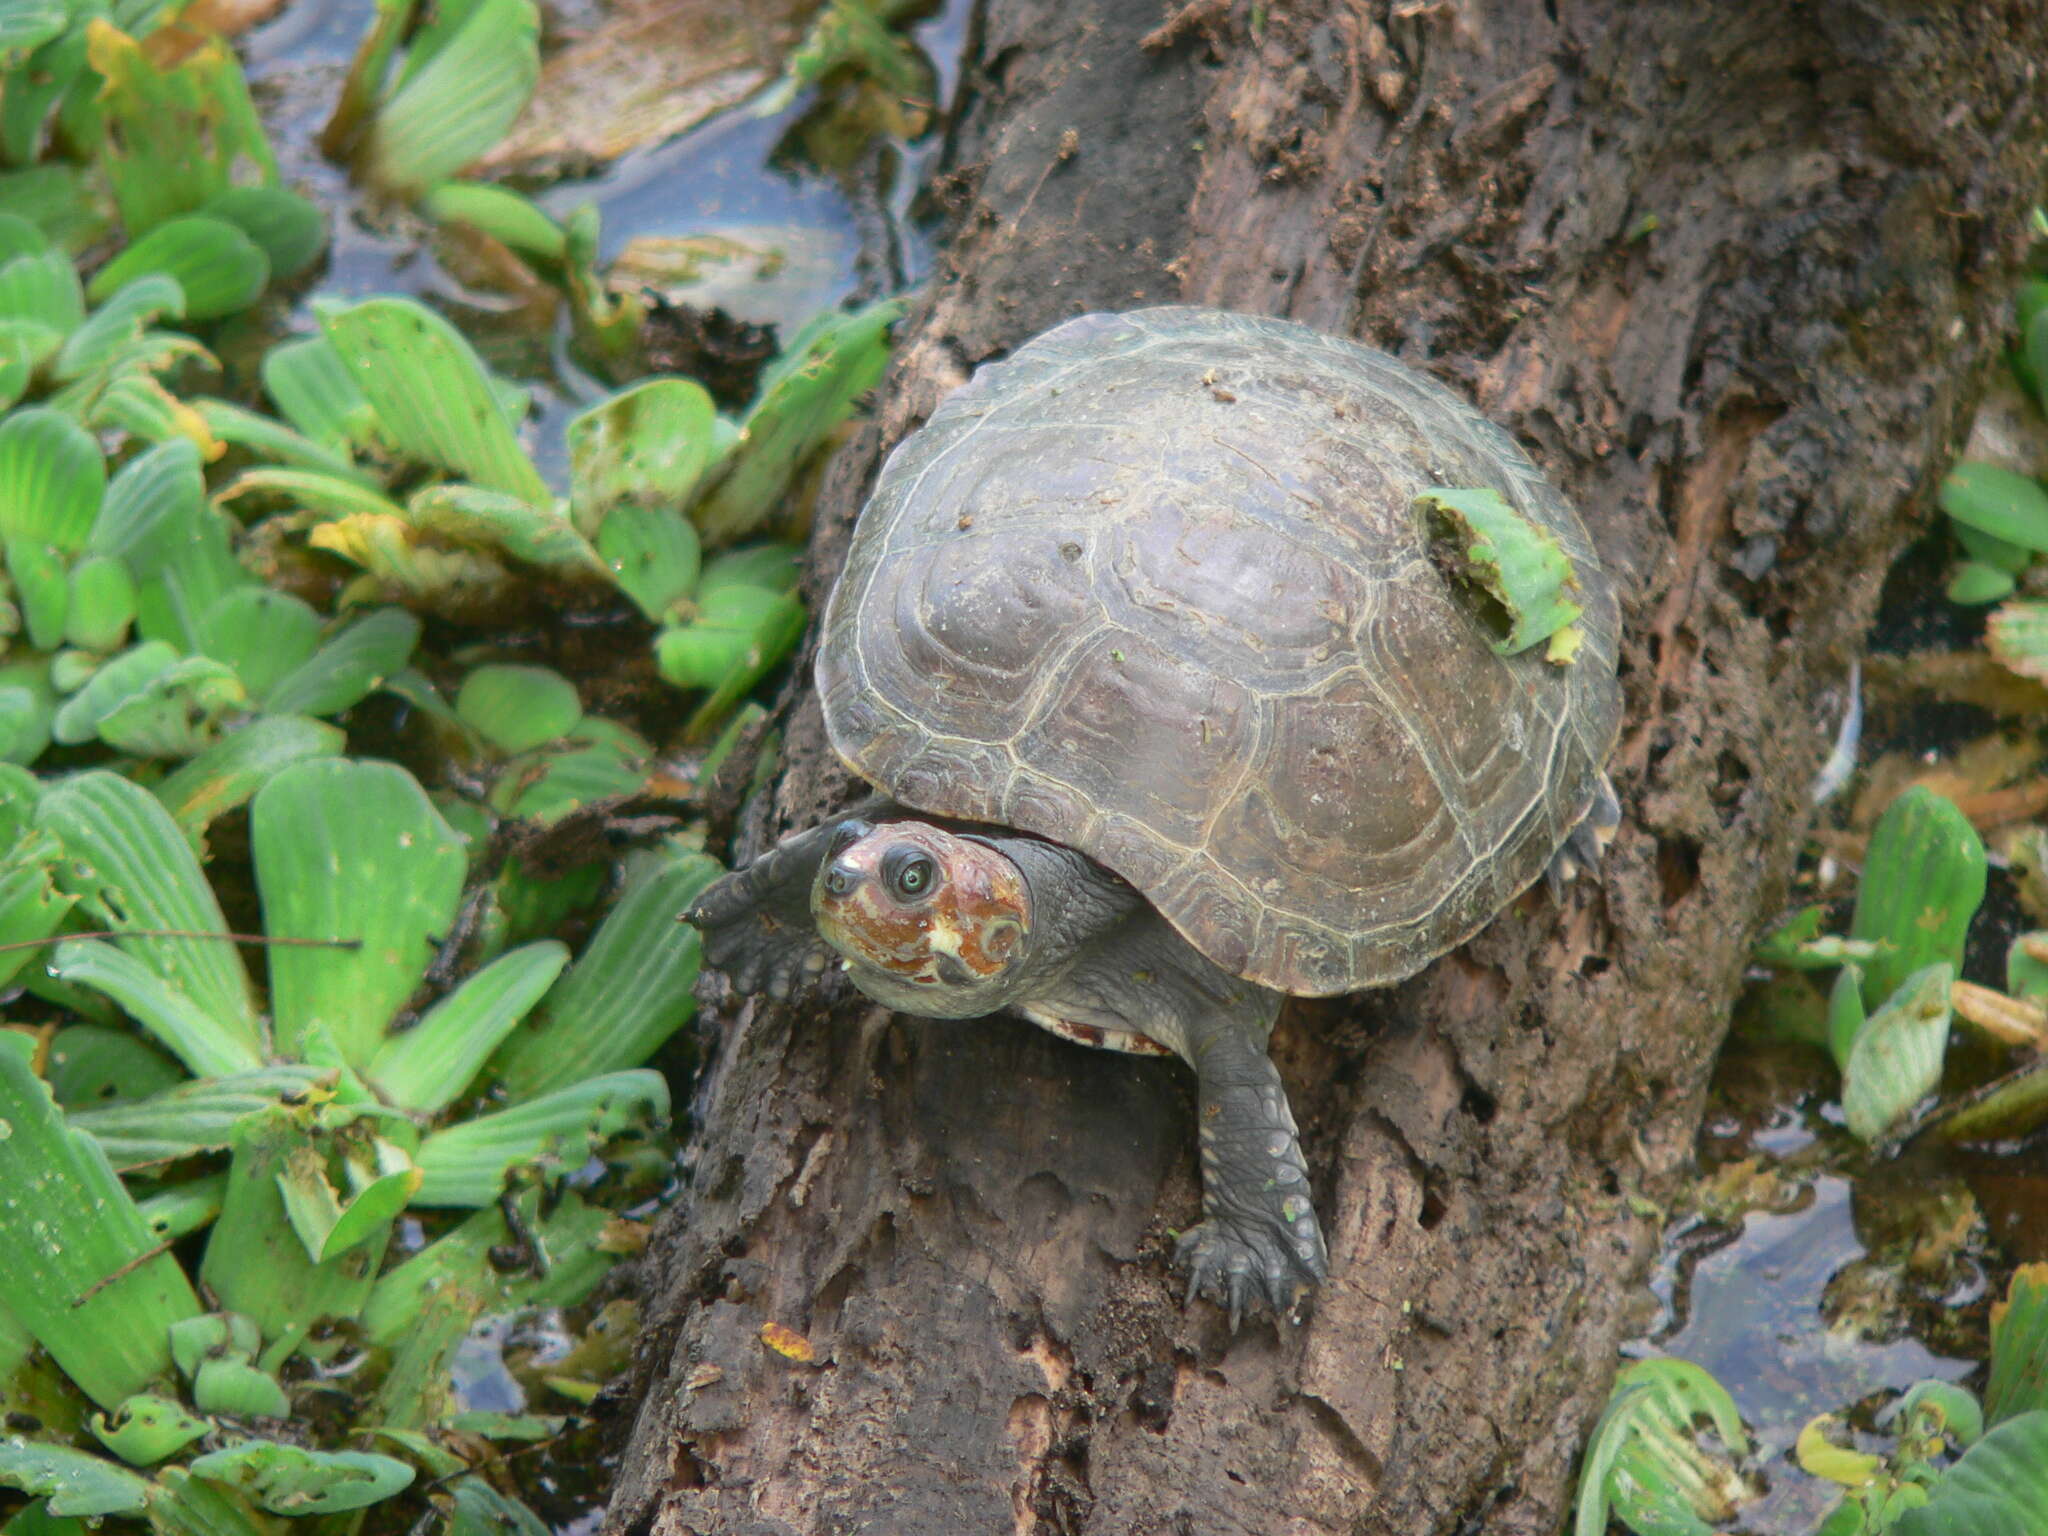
x,y
430,394
78,1264
809,391
354,851
1896,1059
518,708
1512,565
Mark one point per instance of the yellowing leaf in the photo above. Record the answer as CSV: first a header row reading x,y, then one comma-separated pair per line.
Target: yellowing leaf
x,y
1821,1457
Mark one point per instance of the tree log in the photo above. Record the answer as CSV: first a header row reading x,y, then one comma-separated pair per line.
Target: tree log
x,y
1732,273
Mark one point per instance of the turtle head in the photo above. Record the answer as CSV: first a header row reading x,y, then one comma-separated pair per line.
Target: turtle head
x,y
929,921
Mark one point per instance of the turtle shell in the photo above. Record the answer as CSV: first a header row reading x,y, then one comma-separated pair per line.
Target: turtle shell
x,y
1157,587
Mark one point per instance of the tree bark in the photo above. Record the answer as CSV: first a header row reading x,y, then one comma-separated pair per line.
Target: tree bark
x,y
1732,273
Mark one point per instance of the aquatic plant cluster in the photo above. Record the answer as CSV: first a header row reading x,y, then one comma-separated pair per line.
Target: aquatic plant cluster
x,y
251,1220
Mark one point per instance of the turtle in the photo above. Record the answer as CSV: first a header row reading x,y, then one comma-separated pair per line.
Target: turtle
x,y
1173,707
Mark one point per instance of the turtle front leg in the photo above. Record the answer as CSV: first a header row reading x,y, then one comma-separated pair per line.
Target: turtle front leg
x,y
1259,1233
757,921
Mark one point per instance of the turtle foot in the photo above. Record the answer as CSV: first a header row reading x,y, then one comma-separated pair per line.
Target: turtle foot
x,y
1232,1262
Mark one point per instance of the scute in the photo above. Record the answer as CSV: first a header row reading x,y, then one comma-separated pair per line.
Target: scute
x,y
1155,588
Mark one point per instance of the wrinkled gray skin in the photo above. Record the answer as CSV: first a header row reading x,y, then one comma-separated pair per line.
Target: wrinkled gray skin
x,y
1098,955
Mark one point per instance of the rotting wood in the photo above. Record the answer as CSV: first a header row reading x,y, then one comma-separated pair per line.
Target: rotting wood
x,y
1732,273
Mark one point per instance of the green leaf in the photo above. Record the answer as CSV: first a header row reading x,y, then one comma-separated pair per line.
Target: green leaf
x,y
176,546
255,1263
193,1117
1985,549
313,389
2017,634
220,269
1997,501
273,440
213,1335
290,1480
1652,1408
565,1234
460,91
184,1028
1923,879
481,1510
237,1388
1846,1014
27,24
2019,1347
1896,1059
1998,1488
52,480
148,1428
518,708
630,989
182,1209
653,555
122,678
76,1483
499,212
101,606
1943,1407
336,1208
538,535
549,784
1512,564
183,1505
425,1068
645,447
351,665
290,230
430,393
119,322
737,632
1973,583
30,706
227,774
31,906
810,390
92,1066
176,136
348,850
330,496
263,634
77,1261
176,713
132,868
468,1164
44,289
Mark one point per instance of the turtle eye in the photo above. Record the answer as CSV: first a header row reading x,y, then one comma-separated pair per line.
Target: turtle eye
x,y
910,871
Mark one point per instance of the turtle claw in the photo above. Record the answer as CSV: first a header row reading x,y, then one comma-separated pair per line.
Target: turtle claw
x,y
1232,1263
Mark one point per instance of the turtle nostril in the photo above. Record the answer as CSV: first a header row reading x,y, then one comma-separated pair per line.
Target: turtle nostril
x,y
839,880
